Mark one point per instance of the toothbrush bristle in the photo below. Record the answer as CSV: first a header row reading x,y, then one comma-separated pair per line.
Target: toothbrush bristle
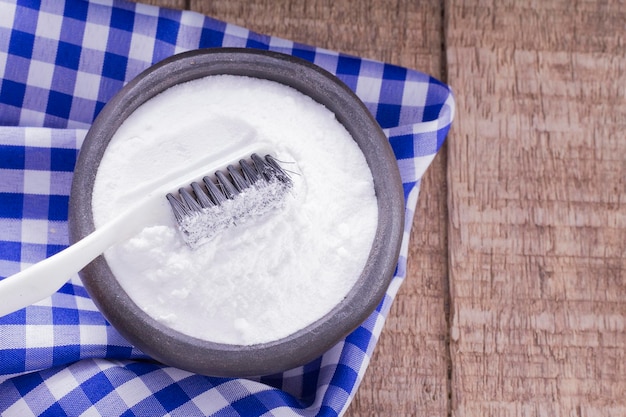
x,y
249,189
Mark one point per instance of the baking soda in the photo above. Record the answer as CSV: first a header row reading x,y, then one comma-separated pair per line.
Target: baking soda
x,y
270,277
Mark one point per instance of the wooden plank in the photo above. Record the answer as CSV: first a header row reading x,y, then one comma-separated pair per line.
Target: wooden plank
x,y
537,177
408,374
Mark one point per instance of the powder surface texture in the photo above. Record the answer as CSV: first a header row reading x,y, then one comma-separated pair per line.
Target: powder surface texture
x,y
271,276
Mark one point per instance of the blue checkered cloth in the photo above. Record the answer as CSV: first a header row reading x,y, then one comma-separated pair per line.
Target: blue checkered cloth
x,y
60,62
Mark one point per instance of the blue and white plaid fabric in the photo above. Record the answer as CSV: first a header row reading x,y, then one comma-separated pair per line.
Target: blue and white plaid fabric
x,y
60,62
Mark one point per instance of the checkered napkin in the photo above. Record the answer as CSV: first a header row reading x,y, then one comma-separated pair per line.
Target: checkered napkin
x,y
60,62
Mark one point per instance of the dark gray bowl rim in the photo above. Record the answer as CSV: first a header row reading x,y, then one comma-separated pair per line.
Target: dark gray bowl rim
x,y
182,351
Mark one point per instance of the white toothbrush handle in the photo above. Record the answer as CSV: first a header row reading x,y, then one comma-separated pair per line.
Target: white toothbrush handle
x,y
44,278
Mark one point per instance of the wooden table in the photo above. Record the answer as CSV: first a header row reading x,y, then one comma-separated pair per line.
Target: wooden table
x,y
515,300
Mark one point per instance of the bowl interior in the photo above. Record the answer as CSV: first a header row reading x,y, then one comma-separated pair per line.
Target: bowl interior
x,y
209,358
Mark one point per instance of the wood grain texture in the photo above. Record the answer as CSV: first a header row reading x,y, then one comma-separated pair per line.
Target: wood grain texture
x,y
537,177
408,374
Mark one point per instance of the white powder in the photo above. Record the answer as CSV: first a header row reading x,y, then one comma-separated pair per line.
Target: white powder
x,y
270,277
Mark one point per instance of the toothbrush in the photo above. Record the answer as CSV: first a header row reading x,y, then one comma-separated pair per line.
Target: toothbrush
x,y
202,206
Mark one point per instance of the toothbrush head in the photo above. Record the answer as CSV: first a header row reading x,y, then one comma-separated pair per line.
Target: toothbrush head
x,y
231,197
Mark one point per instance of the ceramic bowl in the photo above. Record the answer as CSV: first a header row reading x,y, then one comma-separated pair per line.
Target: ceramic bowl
x,y
179,350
